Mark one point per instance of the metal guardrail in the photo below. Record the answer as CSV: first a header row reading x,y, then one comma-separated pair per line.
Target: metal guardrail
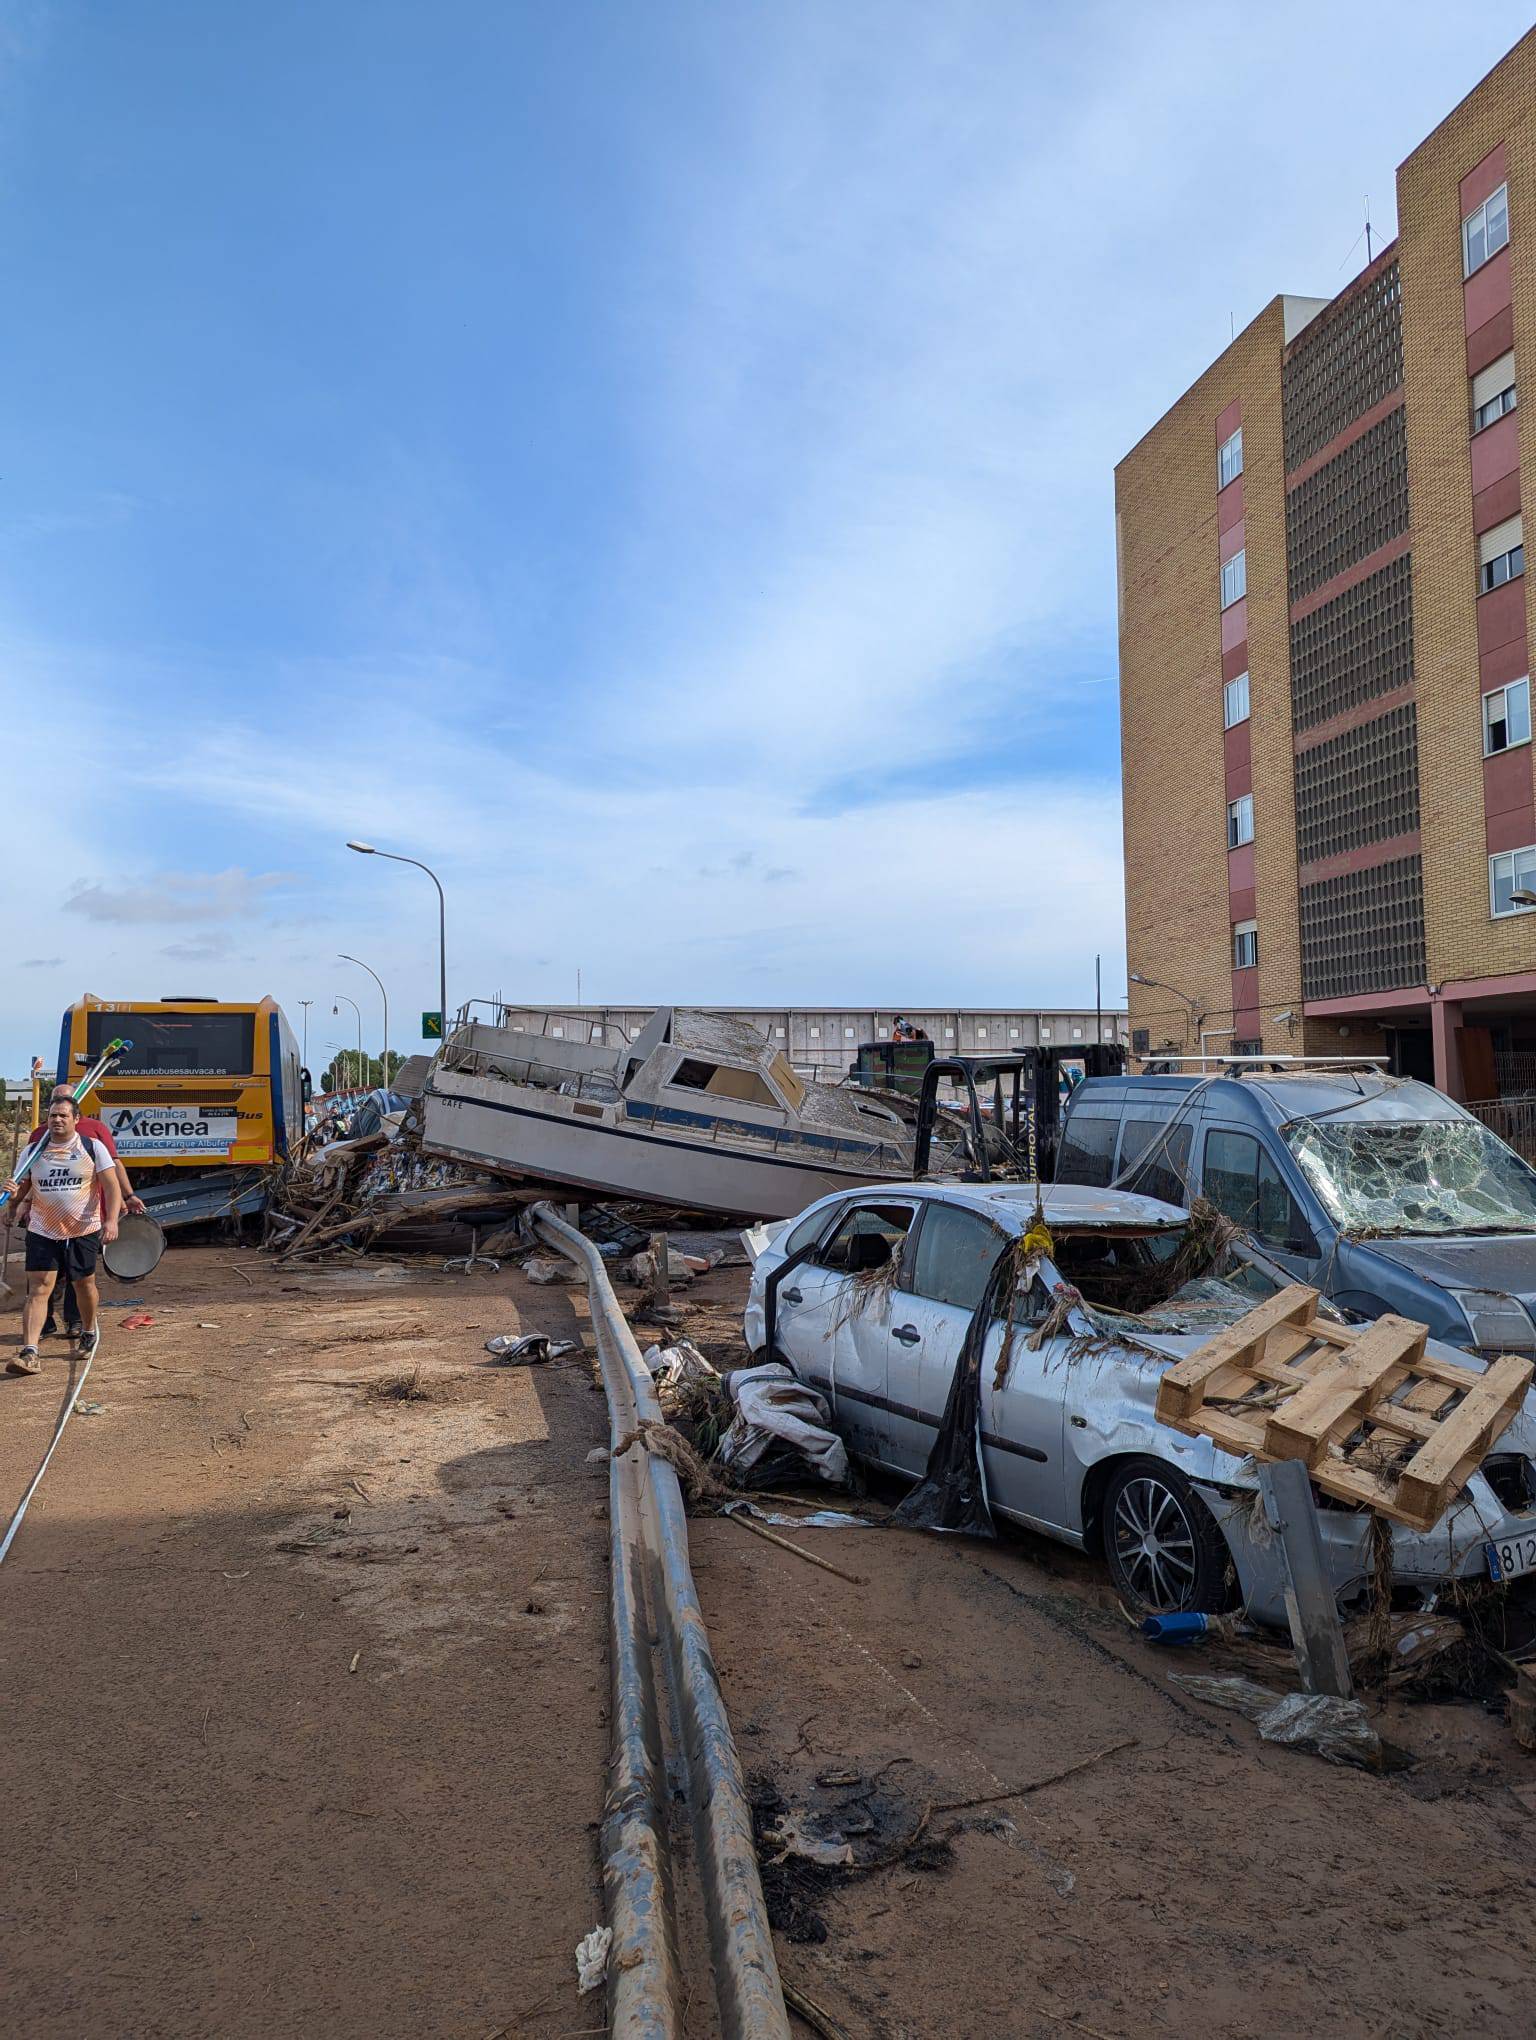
x,y
1512,1119
651,1594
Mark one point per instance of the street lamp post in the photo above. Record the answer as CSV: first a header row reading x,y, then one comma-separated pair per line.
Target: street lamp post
x,y
357,1009
1156,984
369,850
306,1004
384,1065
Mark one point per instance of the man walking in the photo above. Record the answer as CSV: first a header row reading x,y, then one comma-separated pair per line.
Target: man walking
x,y
65,1226
88,1129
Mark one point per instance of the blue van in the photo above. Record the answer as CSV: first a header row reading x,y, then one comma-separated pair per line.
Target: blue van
x,y
1379,1191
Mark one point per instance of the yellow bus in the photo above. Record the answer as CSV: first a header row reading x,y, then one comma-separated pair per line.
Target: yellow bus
x,y
209,1095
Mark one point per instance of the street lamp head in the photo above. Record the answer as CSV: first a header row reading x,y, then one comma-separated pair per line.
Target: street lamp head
x,y
363,849
1138,979
1521,898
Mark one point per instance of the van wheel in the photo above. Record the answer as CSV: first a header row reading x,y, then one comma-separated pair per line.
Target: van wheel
x,y
1164,1550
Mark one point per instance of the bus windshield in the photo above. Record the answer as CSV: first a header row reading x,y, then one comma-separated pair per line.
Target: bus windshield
x,y
176,1044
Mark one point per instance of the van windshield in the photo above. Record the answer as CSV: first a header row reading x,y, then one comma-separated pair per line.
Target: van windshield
x,y
1414,1176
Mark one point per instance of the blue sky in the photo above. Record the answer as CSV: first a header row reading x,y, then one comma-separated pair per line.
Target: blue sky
x,y
652,461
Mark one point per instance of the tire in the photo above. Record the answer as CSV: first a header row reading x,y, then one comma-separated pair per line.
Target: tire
x,y
1188,1566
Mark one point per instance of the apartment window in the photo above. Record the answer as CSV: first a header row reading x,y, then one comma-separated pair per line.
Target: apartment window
x,y
1493,391
1511,871
1234,579
1229,459
1245,945
1247,1048
1506,717
1234,701
1501,554
1484,232
1240,822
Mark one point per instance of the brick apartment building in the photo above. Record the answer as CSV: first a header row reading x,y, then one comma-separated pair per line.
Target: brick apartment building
x,y
1324,660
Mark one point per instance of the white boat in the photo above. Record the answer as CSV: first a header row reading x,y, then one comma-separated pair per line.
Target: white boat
x,y
699,1111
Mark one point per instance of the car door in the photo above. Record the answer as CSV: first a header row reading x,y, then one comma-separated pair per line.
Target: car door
x,y
951,1262
1243,1181
838,1334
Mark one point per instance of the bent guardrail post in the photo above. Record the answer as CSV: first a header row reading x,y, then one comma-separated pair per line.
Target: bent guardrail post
x,y
1317,1635
645,1497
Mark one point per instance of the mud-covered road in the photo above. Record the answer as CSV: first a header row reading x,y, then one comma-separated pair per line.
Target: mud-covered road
x,y
304,1665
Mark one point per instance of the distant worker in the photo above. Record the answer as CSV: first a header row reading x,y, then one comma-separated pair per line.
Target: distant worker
x,y
899,1030
72,1202
88,1129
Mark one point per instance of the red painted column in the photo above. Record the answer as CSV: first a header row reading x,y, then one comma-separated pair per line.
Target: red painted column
x,y
1444,1019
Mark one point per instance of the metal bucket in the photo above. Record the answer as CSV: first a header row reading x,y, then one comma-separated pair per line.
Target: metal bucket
x,y
136,1251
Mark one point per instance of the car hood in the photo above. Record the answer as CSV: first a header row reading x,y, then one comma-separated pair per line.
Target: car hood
x,y
1498,1261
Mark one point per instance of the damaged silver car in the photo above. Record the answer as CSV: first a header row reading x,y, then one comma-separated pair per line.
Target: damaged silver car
x,y
869,1298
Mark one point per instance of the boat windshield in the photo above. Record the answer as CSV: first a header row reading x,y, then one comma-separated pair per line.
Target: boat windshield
x,y
789,1084
1408,1176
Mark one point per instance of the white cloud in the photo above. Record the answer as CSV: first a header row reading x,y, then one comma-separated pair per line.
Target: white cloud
x,y
177,896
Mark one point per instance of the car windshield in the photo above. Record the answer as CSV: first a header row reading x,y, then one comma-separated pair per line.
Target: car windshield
x,y
1414,1176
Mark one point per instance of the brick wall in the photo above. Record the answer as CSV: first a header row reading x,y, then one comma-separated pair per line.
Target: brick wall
x,y
1462,940
1178,894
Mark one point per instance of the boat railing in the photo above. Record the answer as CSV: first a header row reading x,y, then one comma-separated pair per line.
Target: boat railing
x,y
538,1023
599,1087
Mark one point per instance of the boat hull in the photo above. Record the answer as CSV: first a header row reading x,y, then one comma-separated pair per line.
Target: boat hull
x,y
520,1131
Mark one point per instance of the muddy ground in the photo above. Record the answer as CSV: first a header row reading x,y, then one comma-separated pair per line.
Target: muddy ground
x,y
303,1657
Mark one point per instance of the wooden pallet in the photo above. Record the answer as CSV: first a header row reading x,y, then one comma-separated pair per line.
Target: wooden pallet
x,y
1375,1419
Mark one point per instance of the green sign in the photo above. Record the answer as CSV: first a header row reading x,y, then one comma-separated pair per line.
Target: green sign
x,y
431,1026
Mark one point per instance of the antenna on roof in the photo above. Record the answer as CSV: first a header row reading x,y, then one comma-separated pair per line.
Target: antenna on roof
x,y
1367,230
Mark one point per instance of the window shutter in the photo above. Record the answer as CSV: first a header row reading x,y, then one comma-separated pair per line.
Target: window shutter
x,y
1502,539
1492,381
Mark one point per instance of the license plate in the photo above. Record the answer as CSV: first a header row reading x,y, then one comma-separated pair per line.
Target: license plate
x,y
1512,1556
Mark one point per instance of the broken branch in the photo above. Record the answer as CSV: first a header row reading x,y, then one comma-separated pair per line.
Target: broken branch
x,y
757,1529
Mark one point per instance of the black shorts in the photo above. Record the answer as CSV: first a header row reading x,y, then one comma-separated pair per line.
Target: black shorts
x,y
69,1258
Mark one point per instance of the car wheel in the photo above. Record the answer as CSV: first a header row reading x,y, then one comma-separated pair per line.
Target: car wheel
x,y
1164,1550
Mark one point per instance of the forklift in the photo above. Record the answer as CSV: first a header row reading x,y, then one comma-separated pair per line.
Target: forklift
x,y
1015,1137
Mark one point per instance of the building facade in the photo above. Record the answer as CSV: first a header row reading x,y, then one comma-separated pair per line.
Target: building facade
x,y
1324,650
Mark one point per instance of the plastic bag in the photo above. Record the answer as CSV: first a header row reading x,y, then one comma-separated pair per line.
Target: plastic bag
x,y
1331,1728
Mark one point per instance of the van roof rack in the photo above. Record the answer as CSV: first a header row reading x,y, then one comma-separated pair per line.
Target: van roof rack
x,y
1286,1062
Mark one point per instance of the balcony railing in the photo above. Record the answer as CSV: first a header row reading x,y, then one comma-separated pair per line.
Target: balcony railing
x,y
1512,1119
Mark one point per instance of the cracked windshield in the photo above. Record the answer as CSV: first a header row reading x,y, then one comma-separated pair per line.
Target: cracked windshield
x,y
1406,1176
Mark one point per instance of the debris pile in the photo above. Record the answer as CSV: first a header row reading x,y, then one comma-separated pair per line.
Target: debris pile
x,y
351,1194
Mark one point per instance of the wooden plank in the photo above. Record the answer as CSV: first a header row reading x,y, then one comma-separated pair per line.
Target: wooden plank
x,y
1182,1389
1355,1484
1463,1437
1398,1422
1240,1436
1377,1362
1429,1396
